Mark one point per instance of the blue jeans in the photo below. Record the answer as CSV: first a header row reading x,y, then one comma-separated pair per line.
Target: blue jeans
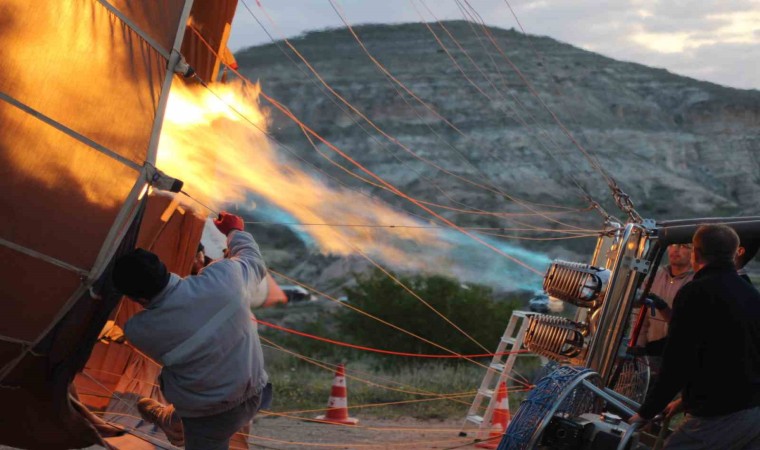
x,y
214,432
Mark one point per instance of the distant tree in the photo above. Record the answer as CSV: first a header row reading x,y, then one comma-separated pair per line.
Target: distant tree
x,y
470,307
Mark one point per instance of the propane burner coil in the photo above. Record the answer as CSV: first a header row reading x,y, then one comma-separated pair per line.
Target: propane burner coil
x,y
556,338
576,283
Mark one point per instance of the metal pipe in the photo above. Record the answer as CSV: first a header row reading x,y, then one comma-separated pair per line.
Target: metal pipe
x,y
700,221
603,347
632,428
173,59
747,228
608,398
650,280
634,405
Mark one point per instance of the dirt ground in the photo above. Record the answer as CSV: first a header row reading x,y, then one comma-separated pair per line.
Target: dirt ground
x,y
282,433
290,434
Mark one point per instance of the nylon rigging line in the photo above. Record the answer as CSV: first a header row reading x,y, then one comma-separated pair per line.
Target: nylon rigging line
x,y
436,227
289,113
357,123
339,11
417,296
131,406
466,357
454,397
526,238
592,161
622,199
473,236
382,144
313,166
516,114
393,79
449,208
327,158
364,117
150,360
470,19
477,211
331,368
378,350
293,414
393,188
292,152
483,230
403,195
389,324
411,292
440,396
557,86
327,367
254,124
370,377
396,280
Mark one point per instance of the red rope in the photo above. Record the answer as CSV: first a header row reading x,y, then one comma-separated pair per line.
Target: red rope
x,y
377,350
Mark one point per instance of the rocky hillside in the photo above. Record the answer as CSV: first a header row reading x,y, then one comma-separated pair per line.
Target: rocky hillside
x,y
680,147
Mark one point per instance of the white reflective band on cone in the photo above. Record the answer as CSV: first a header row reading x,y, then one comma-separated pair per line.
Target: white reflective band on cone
x,y
337,402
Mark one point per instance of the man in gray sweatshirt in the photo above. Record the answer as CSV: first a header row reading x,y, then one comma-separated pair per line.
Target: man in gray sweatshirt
x,y
200,329
667,282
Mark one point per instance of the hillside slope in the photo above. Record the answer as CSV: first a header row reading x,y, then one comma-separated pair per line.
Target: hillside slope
x,y
680,147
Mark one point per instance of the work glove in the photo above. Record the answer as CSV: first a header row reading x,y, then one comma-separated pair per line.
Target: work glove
x,y
656,303
227,222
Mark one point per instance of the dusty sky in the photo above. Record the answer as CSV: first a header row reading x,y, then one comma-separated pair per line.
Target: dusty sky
x,y
717,41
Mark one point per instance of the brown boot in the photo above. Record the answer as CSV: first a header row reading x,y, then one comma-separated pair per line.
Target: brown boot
x,y
165,418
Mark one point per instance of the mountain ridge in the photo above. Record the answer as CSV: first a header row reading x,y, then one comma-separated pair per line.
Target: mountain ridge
x,y
679,147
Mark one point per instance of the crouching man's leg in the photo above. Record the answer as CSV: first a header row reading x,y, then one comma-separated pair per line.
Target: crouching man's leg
x,y
214,432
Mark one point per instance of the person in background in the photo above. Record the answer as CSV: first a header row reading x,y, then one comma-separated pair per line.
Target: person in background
x,y
747,250
201,260
713,352
667,282
200,329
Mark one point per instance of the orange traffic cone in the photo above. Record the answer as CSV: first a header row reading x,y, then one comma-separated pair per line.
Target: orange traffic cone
x,y
499,419
337,405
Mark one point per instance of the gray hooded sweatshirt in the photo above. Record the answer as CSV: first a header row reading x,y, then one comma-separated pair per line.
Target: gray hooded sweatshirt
x,y
200,329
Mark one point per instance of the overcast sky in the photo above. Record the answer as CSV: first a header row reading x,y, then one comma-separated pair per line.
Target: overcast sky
x,y
716,41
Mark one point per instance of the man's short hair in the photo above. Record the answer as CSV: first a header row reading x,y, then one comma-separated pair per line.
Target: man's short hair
x,y
140,274
716,244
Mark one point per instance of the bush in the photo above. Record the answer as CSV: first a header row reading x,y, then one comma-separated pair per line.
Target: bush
x,y
470,307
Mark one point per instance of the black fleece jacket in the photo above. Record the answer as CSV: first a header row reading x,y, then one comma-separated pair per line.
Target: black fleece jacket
x,y
713,349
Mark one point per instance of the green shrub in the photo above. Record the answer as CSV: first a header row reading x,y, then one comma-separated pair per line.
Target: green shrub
x,y
470,307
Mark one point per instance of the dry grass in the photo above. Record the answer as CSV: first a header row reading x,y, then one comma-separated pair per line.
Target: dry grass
x,y
414,389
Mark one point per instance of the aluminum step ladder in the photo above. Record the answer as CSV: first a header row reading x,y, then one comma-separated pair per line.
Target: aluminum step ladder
x,y
499,370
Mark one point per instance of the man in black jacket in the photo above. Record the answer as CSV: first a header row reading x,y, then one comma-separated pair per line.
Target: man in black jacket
x,y
713,352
